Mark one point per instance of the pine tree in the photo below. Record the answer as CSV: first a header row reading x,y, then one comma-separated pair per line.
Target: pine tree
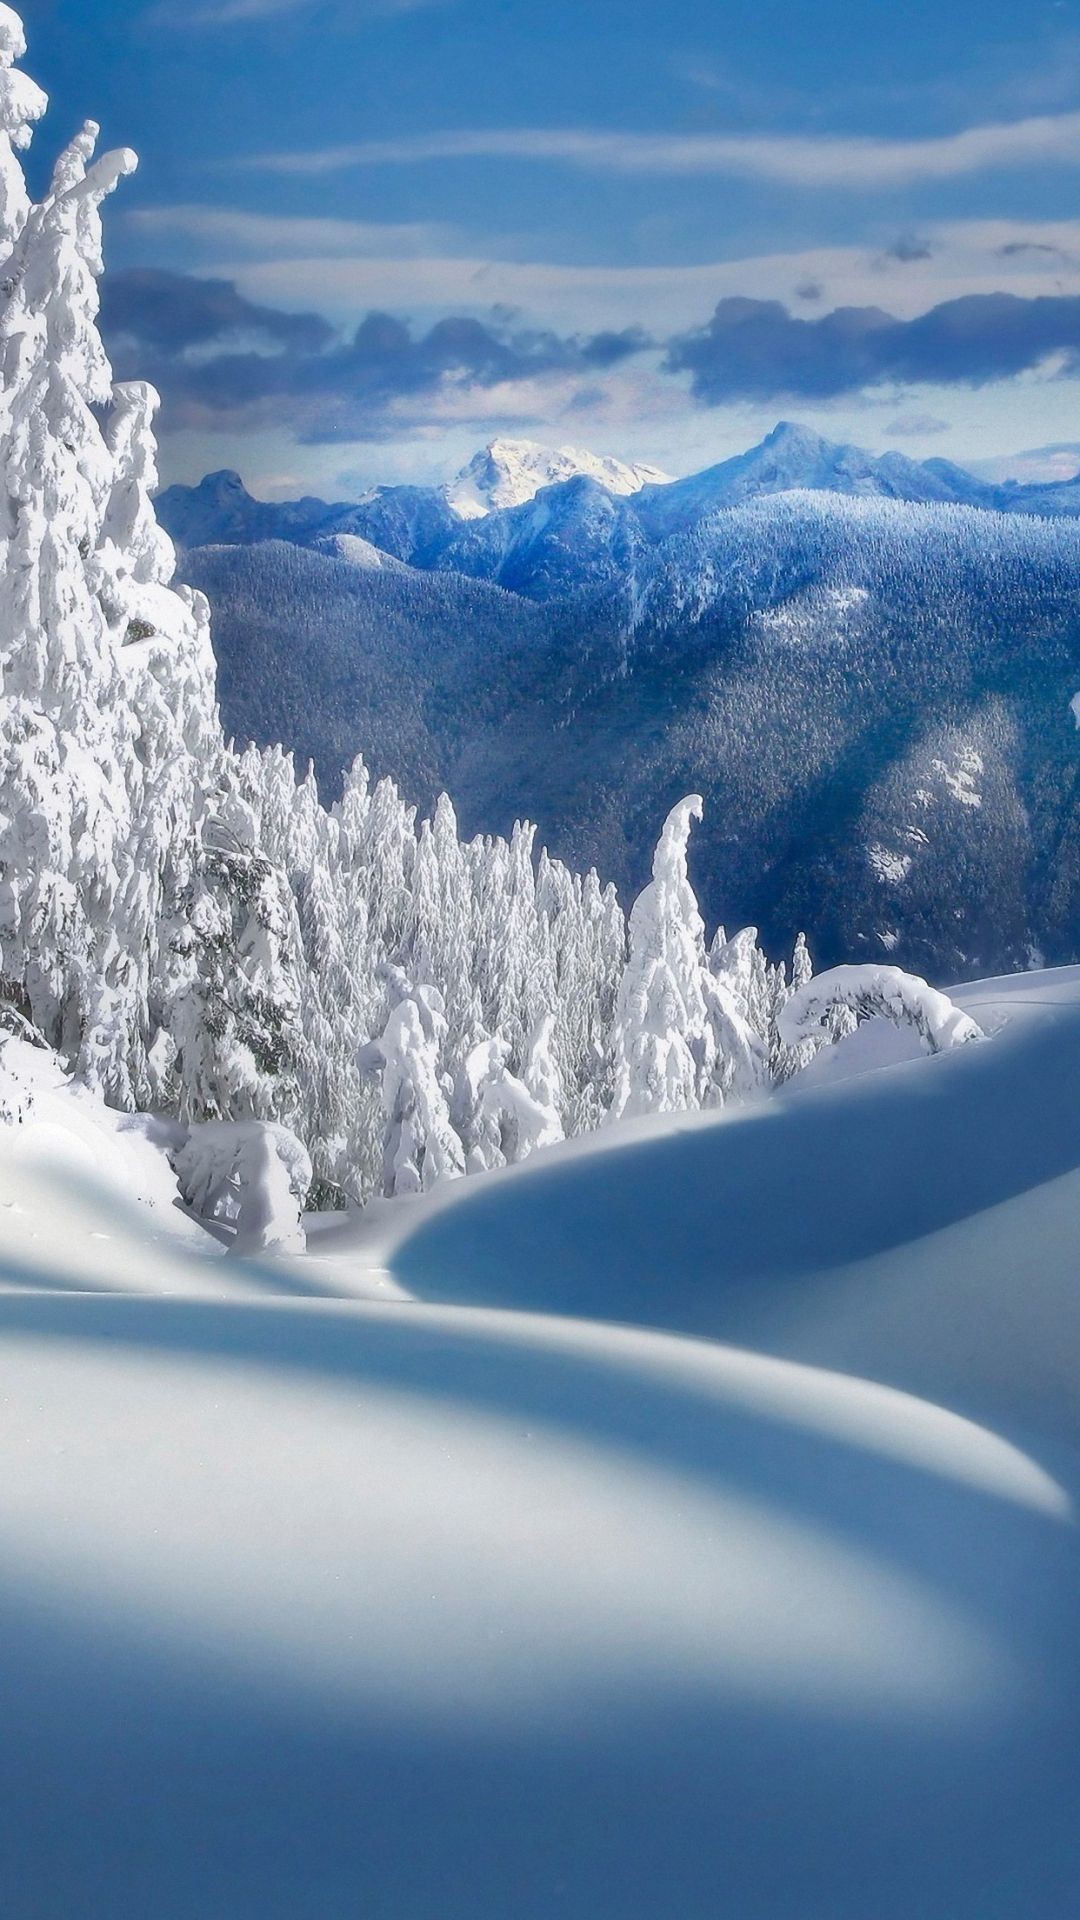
x,y
421,1147
680,1038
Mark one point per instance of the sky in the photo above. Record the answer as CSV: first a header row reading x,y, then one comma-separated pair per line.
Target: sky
x,y
366,236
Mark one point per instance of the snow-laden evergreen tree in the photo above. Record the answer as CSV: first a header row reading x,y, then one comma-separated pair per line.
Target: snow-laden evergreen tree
x,y
680,1038
420,1144
21,104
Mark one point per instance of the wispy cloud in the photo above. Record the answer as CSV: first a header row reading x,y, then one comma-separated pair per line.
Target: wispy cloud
x,y
214,228
857,163
221,13
426,268
228,13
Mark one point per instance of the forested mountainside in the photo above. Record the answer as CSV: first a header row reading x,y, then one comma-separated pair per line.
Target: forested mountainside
x,y
873,697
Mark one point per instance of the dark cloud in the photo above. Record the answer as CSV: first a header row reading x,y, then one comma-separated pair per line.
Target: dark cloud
x,y
607,349
809,290
173,313
756,349
221,360
1049,252
906,248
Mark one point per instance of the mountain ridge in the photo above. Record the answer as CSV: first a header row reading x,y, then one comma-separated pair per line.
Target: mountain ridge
x,y
507,520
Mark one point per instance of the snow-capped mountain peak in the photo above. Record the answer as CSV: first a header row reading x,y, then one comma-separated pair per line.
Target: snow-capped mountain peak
x,y
507,473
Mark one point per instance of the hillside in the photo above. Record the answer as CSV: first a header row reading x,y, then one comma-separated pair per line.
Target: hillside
x,y
333,656
873,697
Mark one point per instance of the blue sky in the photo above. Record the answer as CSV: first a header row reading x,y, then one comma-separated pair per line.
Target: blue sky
x,y
634,227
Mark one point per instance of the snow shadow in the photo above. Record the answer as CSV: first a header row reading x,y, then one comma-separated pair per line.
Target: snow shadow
x,y
151,1766
952,1508
141,1779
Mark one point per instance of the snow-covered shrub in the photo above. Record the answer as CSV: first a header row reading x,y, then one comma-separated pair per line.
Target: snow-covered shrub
x,y
250,1176
887,992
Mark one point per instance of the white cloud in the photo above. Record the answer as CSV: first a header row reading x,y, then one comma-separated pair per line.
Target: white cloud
x,y
858,163
222,13
214,228
227,13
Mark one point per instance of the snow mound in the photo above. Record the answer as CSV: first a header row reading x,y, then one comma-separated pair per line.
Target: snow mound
x,y
358,552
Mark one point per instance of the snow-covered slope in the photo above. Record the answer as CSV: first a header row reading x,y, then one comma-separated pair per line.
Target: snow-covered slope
x,y
494,1603
507,473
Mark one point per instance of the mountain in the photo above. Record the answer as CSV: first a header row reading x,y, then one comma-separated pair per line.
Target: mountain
x,y
549,524
872,695
507,473
414,524
569,538
864,663
793,458
221,510
336,648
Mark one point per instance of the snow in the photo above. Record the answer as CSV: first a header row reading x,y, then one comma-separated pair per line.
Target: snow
x,y
890,868
507,473
682,1522
252,1177
699,1537
960,778
358,552
871,991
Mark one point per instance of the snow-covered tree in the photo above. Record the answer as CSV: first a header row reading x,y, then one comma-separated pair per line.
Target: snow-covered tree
x,y
421,1146
21,104
873,991
680,1038
250,1177
237,991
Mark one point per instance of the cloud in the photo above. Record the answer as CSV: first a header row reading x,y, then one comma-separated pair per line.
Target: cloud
x,y
427,269
221,13
214,228
227,362
230,13
756,349
223,361
906,248
174,314
858,163
916,426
